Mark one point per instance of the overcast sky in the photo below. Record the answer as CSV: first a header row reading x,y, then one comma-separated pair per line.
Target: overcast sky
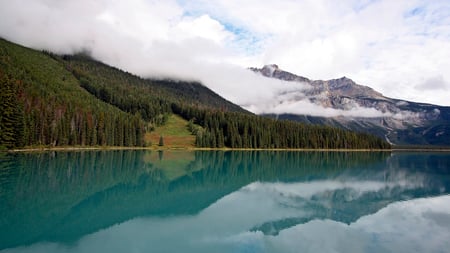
x,y
400,48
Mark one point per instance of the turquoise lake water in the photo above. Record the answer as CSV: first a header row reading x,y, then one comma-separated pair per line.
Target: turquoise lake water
x,y
224,201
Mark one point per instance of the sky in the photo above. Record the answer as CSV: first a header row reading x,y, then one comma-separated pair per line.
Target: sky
x,y
400,48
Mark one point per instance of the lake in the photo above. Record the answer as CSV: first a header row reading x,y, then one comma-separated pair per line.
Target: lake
x,y
224,201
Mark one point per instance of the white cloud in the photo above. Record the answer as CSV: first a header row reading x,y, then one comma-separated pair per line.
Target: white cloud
x,y
434,84
305,107
203,27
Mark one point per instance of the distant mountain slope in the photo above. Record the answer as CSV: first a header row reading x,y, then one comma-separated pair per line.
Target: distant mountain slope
x,y
398,121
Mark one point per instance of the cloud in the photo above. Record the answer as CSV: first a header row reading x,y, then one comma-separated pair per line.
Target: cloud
x,y
433,84
305,107
388,45
203,27
400,48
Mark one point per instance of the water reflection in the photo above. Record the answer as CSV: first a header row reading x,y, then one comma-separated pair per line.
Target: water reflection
x,y
220,201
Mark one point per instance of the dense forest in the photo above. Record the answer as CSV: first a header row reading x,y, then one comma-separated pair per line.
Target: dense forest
x,y
73,100
43,104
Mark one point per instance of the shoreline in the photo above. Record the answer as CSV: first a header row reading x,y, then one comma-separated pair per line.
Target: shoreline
x,y
111,148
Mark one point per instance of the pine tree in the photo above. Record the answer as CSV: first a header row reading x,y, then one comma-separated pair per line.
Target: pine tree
x,y
161,141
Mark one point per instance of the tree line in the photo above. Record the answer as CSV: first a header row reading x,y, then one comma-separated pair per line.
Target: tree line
x,y
236,130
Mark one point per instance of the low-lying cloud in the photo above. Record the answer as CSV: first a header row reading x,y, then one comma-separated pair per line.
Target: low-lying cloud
x,y
306,107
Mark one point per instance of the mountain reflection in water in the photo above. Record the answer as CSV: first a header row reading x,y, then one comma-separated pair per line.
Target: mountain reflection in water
x,y
217,201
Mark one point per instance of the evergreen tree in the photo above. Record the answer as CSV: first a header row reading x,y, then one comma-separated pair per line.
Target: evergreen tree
x,y
161,141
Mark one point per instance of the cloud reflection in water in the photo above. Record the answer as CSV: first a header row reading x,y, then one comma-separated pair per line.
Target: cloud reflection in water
x,y
305,217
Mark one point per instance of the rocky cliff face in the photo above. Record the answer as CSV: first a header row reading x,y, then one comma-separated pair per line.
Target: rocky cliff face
x,y
400,122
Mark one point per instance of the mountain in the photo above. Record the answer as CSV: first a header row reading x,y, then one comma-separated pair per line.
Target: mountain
x,y
73,100
398,121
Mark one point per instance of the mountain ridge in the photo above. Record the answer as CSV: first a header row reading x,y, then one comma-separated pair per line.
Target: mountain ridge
x,y
400,122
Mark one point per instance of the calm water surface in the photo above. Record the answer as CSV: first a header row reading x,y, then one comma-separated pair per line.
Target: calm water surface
x,y
214,201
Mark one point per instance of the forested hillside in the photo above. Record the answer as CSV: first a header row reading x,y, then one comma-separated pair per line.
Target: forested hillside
x,y
44,104
152,99
53,100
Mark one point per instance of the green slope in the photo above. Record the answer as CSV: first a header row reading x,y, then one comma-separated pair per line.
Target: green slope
x,y
175,134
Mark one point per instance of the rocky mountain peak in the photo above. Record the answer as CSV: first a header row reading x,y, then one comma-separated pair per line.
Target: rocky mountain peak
x,y
271,66
398,121
273,71
269,70
343,86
